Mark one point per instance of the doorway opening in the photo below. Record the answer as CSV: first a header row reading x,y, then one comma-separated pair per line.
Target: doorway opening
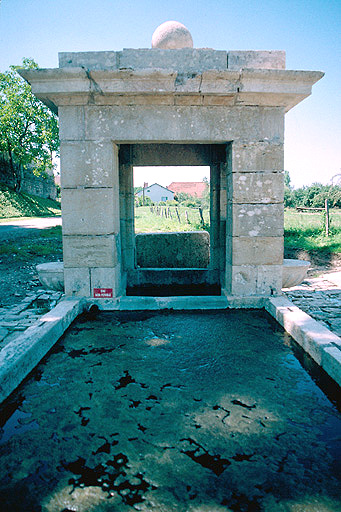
x,y
173,218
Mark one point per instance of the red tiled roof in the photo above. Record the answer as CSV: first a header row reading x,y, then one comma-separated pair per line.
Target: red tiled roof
x,y
193,188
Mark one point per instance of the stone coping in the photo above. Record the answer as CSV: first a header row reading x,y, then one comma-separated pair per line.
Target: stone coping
x,y
318,341
179,59
22,354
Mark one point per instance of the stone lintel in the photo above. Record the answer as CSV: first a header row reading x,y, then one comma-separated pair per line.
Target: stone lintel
x,y
172,154
183,124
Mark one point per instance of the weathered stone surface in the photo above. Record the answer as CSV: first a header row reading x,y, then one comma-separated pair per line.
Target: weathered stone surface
x,y
174,250
71,123
253,156
255,280
183,60
109,278
88,164
204,124
260,187
249,87
173,98
77,281
294,272
273,59
90,60
254,220
255,250
90,211
331,362
90,251
51,275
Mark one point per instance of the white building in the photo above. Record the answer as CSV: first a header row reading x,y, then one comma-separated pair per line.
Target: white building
x,y
156,193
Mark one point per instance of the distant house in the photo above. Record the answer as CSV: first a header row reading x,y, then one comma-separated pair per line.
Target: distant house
x,y
193,188
156,193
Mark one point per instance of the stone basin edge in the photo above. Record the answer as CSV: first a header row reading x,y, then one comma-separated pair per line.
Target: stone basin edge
x,y
19,357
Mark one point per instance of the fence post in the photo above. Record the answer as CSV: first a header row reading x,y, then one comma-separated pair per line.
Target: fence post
x,y
177,212
326,205
201,217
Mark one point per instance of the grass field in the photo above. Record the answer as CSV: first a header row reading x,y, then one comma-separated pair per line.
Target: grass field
x,y
27,249
307,231
17,205
304,231
146,221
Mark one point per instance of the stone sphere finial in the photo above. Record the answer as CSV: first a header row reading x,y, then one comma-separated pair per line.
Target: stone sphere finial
x,y
172,35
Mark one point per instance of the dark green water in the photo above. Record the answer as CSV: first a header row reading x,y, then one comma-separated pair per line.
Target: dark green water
x,y
173,411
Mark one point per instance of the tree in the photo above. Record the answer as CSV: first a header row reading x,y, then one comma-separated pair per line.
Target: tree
x,y
28,129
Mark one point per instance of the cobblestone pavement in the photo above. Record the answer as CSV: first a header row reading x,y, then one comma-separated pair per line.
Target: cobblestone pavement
x,y
15,319
320,297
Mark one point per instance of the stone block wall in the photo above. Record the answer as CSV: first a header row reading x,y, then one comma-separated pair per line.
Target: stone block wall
x,y
250,188
255,212
91,226
30,184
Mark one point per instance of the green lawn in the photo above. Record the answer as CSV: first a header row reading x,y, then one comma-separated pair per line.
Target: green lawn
x,y
49,242
307,231
146,221
304,231
17,205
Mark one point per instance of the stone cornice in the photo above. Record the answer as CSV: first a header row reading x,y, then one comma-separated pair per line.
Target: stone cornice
x,y
253,87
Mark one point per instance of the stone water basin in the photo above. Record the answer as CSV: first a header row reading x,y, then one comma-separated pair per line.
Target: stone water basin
x,y
172,411
51,275
294,272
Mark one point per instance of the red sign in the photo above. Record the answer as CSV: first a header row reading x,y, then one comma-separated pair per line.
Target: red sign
x,y
103,293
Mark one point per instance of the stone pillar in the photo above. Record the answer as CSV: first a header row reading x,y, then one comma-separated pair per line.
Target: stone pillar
x,y
90,209
127,216
223,214
215,217
254,253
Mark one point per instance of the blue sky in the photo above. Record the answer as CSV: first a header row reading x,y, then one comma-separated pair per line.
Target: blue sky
x,y
308,30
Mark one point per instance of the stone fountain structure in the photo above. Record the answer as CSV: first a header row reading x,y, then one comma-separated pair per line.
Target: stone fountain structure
x,y
172,105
